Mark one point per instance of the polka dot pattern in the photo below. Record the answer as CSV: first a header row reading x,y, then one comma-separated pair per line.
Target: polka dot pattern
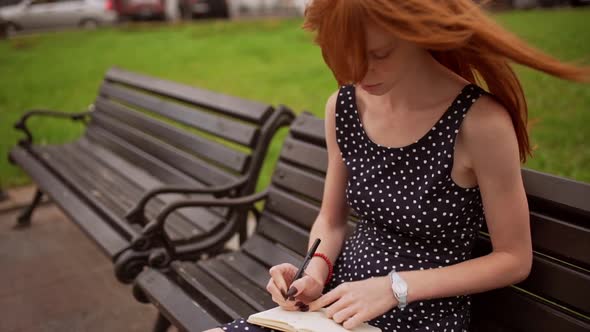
x,y
413,216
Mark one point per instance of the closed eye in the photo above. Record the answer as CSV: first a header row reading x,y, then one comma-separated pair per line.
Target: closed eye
x,y
381,55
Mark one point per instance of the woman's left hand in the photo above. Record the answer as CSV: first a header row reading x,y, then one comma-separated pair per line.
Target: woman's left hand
x,y
352,303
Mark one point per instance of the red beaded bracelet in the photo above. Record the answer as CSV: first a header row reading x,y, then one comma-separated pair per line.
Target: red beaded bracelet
x,y
330,266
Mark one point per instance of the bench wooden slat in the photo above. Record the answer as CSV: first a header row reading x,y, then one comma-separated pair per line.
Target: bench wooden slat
x,y
202,147
250,268
298,180
172,301
226,128
232,106
214,292
196,222
164,173
181,160
125,193
268,252
100,179
116,196
309,128
107,239
146,180
557,189
511,310
97,183
255,296
80,186
305,154
560,216
205,219
103,185
561,239
292,207
134,155
551,280
106,185
284,232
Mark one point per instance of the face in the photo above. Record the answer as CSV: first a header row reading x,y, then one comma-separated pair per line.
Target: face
x,y
386,56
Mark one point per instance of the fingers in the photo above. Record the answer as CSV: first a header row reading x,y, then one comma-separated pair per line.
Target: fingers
x,y
326,299
278,297
301,285
353,321
282,274
344,314
336,307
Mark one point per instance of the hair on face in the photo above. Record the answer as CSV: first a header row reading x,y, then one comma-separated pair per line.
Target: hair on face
x,y
458,34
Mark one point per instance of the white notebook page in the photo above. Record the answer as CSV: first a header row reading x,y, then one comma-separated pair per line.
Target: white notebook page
x,y
309,321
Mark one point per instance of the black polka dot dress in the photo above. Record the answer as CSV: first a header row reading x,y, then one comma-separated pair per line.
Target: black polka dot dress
x,y
413,216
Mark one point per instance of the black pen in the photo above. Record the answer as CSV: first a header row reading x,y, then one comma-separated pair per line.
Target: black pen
x,y
304,264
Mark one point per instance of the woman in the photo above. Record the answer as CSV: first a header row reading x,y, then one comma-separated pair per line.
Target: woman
x,y
419,151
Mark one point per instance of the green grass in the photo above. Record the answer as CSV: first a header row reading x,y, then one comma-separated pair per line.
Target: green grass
x,y
270,61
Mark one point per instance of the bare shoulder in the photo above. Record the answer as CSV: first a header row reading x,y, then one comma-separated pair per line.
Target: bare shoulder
x,y
486,122
330,114
490,141
331,105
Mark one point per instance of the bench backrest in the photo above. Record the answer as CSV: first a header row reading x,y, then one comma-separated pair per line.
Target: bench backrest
x,y
560,222
556,295
212,138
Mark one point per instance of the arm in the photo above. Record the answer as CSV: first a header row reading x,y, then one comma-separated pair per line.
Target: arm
x,y
491,145
22,122
137,215
330,226
490,142
331,223
155,229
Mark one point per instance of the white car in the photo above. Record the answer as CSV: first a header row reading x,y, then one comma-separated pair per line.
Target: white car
x,y
43,14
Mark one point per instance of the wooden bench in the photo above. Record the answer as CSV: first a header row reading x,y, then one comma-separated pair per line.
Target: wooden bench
x,y
147,143
195,296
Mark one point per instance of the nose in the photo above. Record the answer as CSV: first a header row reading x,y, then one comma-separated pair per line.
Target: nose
x,y
368,78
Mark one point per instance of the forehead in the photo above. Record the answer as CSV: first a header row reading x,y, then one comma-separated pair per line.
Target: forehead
x,y
377,38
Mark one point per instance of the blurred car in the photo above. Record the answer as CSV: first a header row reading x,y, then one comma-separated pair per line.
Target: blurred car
x,y
203,8
139,9
42,14
3,32
527,4
577,3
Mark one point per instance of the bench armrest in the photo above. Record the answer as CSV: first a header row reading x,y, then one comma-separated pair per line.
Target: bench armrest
x,y
154,230
137,213
21,124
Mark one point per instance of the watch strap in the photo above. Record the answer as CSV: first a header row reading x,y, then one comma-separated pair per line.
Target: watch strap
x,y
401,297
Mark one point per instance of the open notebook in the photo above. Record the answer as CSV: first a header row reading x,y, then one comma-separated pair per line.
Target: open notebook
x,y
297,321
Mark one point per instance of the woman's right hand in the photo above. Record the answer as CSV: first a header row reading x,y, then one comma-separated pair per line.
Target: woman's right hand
x,y
302,291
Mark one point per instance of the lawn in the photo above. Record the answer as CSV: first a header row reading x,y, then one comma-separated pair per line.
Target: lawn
x,y
271,61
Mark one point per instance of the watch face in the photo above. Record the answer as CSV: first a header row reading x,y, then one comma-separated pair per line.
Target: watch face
x,y
400,289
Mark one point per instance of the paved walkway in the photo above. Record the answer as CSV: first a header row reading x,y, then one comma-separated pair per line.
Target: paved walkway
x,y
54,279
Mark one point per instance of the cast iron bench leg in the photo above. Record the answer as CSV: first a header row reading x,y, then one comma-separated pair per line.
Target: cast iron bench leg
x,y
24,219
162,324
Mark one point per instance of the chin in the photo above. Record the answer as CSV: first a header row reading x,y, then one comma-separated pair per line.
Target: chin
x,y
375,90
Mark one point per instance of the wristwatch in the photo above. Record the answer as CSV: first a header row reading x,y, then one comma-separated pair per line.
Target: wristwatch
x,y
400,288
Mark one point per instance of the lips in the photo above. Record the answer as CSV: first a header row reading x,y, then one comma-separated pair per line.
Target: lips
x,y
370,86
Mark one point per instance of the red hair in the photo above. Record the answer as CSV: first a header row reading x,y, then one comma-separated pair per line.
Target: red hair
x,y
457,33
